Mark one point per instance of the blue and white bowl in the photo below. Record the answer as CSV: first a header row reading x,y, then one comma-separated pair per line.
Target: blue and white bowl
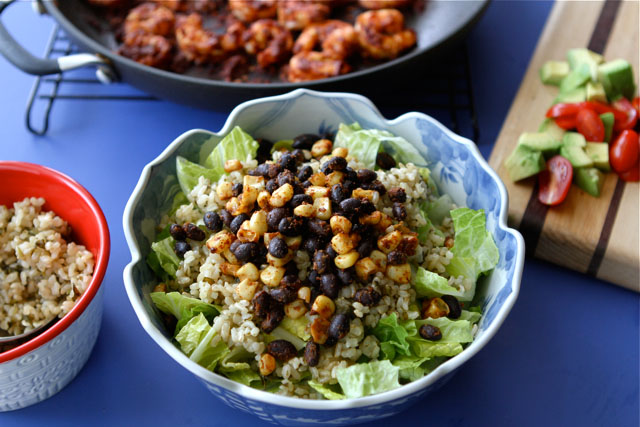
x,y
458,169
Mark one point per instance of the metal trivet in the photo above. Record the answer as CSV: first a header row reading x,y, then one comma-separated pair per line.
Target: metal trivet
x,y
443,91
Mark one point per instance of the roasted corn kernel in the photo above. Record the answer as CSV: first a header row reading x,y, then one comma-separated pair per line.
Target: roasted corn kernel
x,y
342,243
245,234
280,262
371,219
248,271
321,147
399,273
318,179
346,260
324,306
232,165
334,178
229,269
340,224
390,241
263,199
221,241
295,309
319,330
293,242
224,190
246,289
316,192
434,308
379,259
258,222
281,196
304,210
267,364
322,206
304,293
272,275
365,267
360,193
340,152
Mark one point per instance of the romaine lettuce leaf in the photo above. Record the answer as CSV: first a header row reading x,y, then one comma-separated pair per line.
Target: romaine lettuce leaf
x,y
439,209
164,258
430,284
471,316
424,348
456,331
193,332
363,144
285,143
368,378
298,327
246,376
401,149
281,333
325,391
236,145
410,367
189,173
392,336
183,308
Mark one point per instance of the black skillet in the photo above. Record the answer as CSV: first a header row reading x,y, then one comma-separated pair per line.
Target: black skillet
x,y
437,26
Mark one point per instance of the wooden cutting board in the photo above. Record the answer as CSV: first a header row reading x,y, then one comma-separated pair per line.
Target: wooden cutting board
x,y
597,236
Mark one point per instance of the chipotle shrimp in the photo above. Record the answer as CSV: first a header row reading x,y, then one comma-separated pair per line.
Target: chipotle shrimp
x,y
382,34
336,39
147,49
269,41
314,65
252,10
150,18
196,43
384,4
298,14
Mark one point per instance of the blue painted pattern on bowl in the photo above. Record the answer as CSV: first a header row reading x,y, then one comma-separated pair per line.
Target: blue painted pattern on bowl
x,y
457,168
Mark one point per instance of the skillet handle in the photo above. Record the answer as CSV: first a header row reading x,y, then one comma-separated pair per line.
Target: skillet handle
x,y
24,60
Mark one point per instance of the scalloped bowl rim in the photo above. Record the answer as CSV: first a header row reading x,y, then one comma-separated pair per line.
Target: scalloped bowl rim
x,y
292,402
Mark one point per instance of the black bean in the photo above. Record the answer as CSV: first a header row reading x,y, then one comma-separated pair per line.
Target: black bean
x,y
338,193
397,194
226,217
396,258
271,185
273,169
365,247
193,232
291,226
261,257
291,278
298,188
378,186
245,251
261,170
366,175
325,169
385,161
366,207
237,222
305,141
236,190
311,244
182,248
286,177
350,205
319,228
304,173
399,211
262,302
430,332
346,276
282,350
213,221
361,229
299,199
287,161
284,294
330,251
264,149
177,232
454,306
350,174
314,279
273,319
329,285
307,184
339,327
312,354
337,163
234,245
298,154
321,262
278,247
349,185
367,296
274,217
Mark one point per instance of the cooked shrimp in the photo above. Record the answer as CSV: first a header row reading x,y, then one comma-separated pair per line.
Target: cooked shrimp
x,y
312,65
382,34
337,39
297,14
270,41
384,4
150,18
147,49
106,3
232,39
174,5
252,10
196,43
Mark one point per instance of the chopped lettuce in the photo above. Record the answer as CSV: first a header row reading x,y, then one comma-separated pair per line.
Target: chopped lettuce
x,y
430,284
392,336
365,379
195,341
474,251
471,316
189,173
456,331
281,333
298,327
236,145
285,143
424,348
163,259
325,391
439,209
410,367
246,376
183,308
400,149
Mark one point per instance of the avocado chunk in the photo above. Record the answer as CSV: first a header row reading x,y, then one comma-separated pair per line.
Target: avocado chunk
x,y
523,163
580,56
576,156
549,126
540,141
574,139
552,72
595,92
576,78
589,179
599,153
617,79
607,119
576,95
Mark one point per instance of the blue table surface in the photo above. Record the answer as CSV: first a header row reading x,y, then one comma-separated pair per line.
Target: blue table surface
x,y
566,355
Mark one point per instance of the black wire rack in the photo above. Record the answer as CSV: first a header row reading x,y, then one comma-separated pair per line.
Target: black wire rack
x,y
442,90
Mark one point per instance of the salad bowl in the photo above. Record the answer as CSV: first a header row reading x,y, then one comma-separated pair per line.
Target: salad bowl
x,y
458,170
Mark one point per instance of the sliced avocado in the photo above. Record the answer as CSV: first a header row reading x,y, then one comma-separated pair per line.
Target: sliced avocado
x,y
523,163
552,72
574,139
549,126
580,56
576,95
595,92
599,153
578,77
540,141
617,78
607,120
576,156
589,179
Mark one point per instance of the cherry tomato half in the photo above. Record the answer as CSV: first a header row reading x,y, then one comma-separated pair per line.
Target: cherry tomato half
x,y
554,181
564,109
566,122
590,125
601,108
631,115
632,175
636,104
623,153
